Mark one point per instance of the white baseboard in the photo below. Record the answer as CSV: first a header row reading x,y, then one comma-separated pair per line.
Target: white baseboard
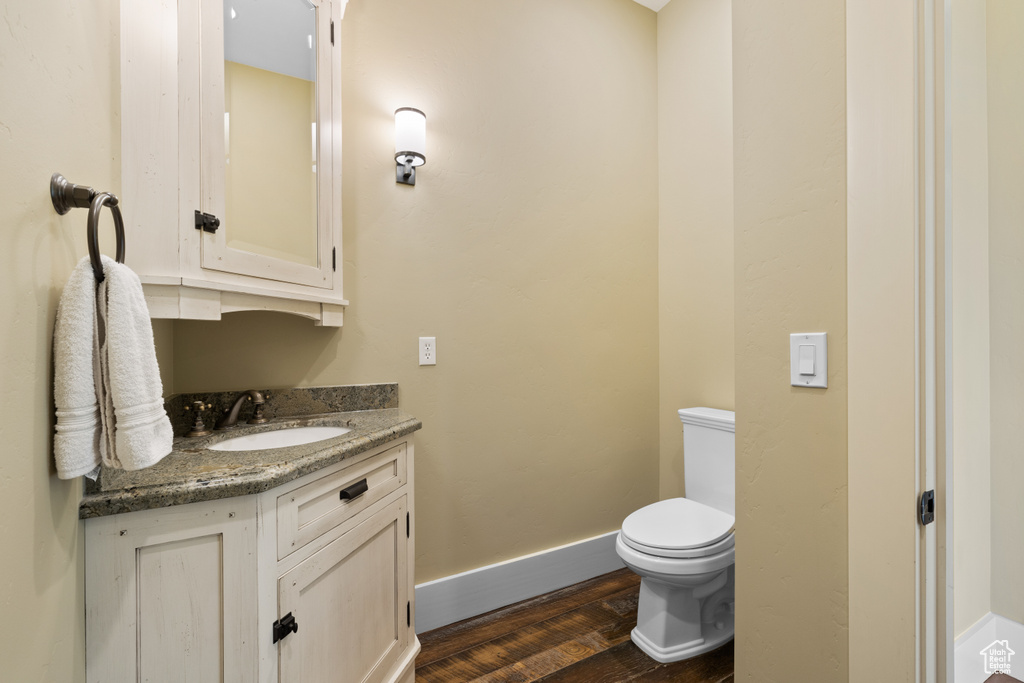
x,y
460,596
968,661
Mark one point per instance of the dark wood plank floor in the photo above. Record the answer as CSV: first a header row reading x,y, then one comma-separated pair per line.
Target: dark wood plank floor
x,y
577,634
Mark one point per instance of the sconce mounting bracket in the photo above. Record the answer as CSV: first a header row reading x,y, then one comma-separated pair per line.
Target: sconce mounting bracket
x,y
405,174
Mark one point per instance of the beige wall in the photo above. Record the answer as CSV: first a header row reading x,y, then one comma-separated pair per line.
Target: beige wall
x,y
528,247
58,112
1006,250
791,443
881,59
695,240
972,505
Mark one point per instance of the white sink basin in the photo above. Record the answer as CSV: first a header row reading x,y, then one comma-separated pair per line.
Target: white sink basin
x,y
279,438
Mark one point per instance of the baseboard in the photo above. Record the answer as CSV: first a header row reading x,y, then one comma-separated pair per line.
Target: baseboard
x,y
986,623
969,661
460,596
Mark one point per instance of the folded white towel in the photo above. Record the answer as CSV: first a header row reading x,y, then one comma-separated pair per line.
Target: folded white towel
x,y
138,432
106,379
76,444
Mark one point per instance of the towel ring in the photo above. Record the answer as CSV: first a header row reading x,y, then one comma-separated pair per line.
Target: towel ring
x,y
66,196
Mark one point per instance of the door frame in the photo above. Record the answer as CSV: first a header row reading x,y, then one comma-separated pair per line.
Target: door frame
x,y
935,332
935,348
897,142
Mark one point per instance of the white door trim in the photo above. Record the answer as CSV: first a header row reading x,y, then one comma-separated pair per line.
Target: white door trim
x,y
935,564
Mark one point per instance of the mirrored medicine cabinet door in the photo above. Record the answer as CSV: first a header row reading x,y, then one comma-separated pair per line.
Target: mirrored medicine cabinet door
x,y
267,167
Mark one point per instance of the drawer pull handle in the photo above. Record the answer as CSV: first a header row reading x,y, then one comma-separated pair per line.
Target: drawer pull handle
x,y
354,491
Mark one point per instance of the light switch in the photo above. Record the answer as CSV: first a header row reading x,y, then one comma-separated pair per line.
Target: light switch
x,y
808,360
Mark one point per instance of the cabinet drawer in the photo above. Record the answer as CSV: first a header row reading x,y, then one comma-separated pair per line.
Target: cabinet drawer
x,y
309,511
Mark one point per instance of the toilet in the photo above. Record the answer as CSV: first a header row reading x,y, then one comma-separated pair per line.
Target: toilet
x,y
684,548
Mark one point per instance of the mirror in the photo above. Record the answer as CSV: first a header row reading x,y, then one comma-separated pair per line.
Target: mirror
x,y
270,128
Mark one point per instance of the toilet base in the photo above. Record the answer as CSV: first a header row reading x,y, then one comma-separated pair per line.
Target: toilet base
x,y
685,615
679,652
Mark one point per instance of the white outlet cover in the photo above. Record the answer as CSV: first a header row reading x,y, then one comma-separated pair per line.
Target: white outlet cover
x,y
428,351
818,341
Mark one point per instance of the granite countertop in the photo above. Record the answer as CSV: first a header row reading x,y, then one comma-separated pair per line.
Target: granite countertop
x,y
193,473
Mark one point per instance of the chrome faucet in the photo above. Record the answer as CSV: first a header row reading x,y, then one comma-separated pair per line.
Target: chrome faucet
x,y
230,418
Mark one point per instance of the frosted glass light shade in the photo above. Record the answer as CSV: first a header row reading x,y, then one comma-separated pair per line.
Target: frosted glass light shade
x,y
410,136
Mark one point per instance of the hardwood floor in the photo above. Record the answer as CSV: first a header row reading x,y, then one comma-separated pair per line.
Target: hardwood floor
x,y
577,634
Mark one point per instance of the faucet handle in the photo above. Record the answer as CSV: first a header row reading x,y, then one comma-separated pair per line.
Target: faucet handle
x,y
198,426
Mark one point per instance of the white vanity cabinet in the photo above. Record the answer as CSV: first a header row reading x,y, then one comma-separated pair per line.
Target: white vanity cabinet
x,y
231,155
199,592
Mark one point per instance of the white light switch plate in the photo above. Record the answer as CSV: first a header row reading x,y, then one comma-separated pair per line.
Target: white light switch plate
x,y
815,357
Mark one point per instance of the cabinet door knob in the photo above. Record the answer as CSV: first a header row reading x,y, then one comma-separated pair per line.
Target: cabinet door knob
x,y
354,491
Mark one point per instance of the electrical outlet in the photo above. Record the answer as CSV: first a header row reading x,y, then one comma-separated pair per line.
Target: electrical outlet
x,y
428,351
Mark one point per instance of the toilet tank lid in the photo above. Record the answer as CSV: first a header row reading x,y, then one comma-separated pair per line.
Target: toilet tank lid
x,y
709,417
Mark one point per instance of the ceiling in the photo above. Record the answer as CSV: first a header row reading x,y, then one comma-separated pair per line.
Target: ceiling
x,y
278,36
653,4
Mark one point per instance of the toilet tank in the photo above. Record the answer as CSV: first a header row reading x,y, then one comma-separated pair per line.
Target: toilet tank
x,y
709,457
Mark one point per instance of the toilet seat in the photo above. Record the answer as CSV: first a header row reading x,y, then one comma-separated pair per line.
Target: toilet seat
x,y
708,550
679,528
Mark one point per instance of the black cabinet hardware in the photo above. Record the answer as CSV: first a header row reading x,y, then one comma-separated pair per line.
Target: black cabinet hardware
x,y
354,491
285,626
206,222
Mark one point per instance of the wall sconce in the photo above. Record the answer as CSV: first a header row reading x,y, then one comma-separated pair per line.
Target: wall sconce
x,y
410,143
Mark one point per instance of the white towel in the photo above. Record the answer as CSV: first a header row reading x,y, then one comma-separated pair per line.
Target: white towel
x,y
76,444
106,379
137,429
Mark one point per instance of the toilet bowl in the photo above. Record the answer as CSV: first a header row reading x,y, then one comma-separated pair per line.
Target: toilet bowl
x,y
684,548
687,587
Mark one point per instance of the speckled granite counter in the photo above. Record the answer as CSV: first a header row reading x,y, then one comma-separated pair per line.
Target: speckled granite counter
x,y
193,473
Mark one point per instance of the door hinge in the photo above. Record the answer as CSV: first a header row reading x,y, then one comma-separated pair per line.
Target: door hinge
x,y
407,525
926,508
408,614
206,222
284,626
334,258
332,31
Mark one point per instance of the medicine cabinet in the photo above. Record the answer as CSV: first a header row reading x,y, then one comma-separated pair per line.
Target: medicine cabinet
x,y
231,155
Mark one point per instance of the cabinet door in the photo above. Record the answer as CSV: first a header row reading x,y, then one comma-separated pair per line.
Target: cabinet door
x,y
269,139
170,594
350,601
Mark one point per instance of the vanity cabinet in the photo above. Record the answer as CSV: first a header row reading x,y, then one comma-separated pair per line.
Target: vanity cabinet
x,y
295,584
231,155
